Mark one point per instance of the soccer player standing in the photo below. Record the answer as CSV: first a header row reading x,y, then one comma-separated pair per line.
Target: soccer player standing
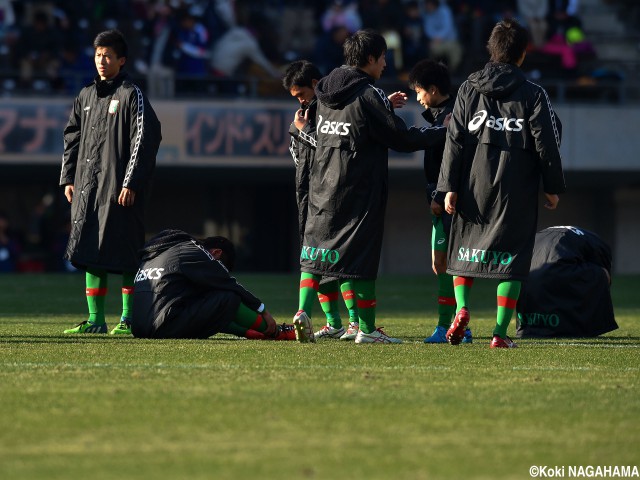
x,y
300,80
110,146
503,137
432,83
348,186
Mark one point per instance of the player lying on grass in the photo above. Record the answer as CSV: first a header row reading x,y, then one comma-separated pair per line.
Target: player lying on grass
x,y
183,289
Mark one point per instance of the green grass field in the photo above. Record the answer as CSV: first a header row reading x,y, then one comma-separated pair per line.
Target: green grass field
x,y
99,407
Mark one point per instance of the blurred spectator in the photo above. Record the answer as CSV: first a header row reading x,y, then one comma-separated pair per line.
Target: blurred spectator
x,y
329,53
563,15
38,51
161,55
534,13
192,39
414,40
9,246
442,34
342,13
236,45
385,16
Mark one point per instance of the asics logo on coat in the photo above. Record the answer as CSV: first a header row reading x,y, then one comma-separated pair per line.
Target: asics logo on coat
x,y
499,124
333,128
149,274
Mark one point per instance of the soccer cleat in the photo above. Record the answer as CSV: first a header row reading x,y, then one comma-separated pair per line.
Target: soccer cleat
x,y
456,331
123,328
499,342
329,332
468,338
352,331
284,332
377,336
439,335
304,327
88,327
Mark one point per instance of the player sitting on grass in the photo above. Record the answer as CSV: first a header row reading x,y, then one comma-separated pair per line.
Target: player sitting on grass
x,y
183,289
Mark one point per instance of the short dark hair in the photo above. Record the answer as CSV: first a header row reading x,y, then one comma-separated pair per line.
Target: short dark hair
x,y
300,73
113,39
228,257
429,72
508,41
362,44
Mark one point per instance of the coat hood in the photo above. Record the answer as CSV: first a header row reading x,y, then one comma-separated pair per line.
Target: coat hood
x,y
340,85
162,242
497,80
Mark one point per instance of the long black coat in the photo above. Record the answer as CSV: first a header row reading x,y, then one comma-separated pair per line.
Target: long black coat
x,y
348,184
502,139
110,142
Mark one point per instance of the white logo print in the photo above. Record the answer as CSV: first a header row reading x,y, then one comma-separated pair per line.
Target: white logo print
x,y
441,241
498,124
477,120
333,128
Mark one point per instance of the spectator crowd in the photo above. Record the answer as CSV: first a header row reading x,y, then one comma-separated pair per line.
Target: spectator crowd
x,y
180,46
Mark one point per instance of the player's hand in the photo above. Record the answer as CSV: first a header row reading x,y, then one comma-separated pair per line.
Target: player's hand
x,y
398,99
552,201
302,118
450,202
127,197
270,321
436,208
68,192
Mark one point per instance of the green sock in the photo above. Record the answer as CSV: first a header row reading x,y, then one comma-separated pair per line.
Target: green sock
x,y
309,286
366,295
508,293
234,329
96,283
349,297
249,319
328,296
446,300
127,294
462,287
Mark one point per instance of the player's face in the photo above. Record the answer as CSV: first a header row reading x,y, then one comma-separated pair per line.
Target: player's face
x,y
425,96
107,62
303,94
377,66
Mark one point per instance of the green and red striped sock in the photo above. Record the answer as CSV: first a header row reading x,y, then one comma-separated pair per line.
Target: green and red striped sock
x,y
508,293
127,294
96,290
366,295
309,287
462,288
328,295
446,300
349,297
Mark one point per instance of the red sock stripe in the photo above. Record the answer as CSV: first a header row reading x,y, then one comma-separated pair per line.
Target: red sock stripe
x,y
333,296
348,294
366,303
446,301
467,281
96,292
507,302
257,323
127,290
309,283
